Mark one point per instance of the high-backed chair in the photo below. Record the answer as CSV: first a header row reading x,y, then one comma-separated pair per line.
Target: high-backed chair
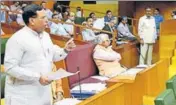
x,y
171,84
81,59
166,98
79,20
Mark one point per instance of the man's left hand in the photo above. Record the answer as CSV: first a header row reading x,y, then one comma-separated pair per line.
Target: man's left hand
x,y
70,45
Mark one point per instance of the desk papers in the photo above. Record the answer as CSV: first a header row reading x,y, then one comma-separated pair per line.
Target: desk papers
x,y
61,73
68,101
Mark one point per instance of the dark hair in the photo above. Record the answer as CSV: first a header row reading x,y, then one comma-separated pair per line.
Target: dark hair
x,y
88,18
157,9
42,2
174,12
108,11
90,15
30,11
78,8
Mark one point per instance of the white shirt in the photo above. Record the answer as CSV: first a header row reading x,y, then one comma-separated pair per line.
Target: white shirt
x,y
174,17
88,35
99,23
28,56
2,33
3,13
123,30
147,29
58,29
69,28
20,19
78,14
48,13
108,55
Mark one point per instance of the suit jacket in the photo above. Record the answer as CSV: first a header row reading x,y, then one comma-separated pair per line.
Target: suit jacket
x,y
108,28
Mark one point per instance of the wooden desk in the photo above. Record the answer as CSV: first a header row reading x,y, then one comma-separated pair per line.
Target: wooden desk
x,y
150,81
129,54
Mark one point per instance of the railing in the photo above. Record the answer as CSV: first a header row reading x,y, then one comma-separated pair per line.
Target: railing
x,y
79,28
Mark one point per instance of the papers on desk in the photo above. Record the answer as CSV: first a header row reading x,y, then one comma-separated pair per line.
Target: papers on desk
x,y
130,74
89,88
61,73
121,42
142,66
132,71
68,101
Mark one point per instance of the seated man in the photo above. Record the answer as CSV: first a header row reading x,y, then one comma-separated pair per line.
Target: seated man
x,y
123,30
88,34
69,27
58,29
110,26
106,59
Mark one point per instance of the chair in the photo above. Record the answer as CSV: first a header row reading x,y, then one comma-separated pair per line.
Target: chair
x,y
81,58
171,84
79,20
166,98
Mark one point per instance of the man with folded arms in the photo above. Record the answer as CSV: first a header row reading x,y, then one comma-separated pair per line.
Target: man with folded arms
x,y
106,59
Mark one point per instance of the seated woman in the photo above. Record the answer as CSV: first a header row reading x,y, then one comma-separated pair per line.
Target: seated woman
x,y
106,59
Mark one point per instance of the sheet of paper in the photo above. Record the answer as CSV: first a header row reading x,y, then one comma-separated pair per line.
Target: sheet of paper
x,y
68,101
130,74
61,73
89,87
132,71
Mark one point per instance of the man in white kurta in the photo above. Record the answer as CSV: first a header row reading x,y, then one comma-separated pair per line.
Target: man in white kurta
x,y
147,33
106,59
69,27
57,29
87,33
47,11
28,60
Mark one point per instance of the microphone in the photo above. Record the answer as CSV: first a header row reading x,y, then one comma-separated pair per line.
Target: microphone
x,y
79,77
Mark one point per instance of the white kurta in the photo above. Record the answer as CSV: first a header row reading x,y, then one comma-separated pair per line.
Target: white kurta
x,y
88,35
147,29
147,32
58,29
29,55
48,13
99,23
69,28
